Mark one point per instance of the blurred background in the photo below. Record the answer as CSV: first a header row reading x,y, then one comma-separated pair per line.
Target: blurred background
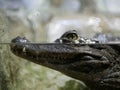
x,y
44,21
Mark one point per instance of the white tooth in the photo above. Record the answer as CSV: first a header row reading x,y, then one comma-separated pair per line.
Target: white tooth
x,y
61,41
24,49
76,41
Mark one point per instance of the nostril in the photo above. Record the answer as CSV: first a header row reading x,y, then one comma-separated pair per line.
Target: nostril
x,y
16,39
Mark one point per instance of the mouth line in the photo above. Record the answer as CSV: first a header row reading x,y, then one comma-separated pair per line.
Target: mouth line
x,y
58,59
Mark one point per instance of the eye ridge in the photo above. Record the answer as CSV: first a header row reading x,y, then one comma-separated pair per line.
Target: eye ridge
x,y
71,35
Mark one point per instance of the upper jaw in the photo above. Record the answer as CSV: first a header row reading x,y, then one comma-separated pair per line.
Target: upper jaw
x,y
60,54
56,48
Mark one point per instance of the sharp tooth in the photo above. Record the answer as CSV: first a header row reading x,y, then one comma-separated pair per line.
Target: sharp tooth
x,y
76,41
61,41
24,49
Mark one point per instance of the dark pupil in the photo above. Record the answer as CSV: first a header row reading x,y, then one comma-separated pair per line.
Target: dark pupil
x,y
72,36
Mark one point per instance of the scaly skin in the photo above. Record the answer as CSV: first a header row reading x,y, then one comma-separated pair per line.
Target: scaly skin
x,y
97,65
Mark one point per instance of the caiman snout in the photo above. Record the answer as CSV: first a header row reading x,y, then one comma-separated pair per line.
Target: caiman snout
x,y
20,40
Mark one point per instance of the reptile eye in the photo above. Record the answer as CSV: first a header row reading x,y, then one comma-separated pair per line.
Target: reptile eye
x,y
72,36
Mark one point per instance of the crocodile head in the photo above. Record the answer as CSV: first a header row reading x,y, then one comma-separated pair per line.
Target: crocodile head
x,y
91,63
